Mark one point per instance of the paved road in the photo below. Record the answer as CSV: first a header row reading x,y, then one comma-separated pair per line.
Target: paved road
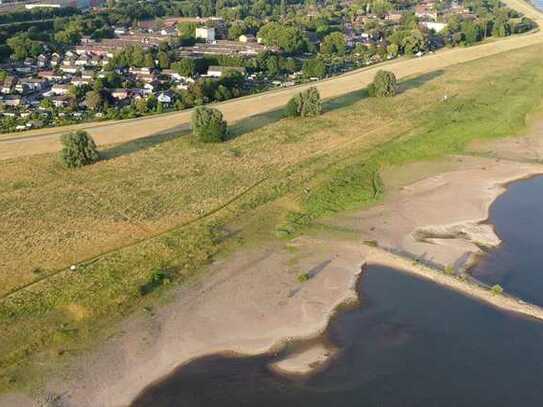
x,y
111,132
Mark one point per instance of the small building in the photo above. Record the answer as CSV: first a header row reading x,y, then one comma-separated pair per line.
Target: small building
x,y
8,85
247,38
166,98
60,101
205,33
60,89
437,27
43,60
12,100
22,88
120,94
218,71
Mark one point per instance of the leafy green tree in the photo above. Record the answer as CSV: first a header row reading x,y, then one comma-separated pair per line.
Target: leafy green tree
x,y
137,57
304,104
149,61
185,67
78,149
414,42
334,43
94,100
314,68
208,125
471,32
384,84
236,30
22,46
288,38
163,60
187,33
392,50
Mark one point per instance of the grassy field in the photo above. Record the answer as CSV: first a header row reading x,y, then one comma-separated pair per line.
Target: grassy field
x,y
156,211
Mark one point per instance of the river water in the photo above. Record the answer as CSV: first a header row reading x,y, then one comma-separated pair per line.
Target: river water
x,y
411,343
517,264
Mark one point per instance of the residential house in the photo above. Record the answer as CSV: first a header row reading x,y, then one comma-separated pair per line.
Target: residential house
x,y
42,61
424,11
120,94
22,88
49,75
69,68
218,71
8,85
60,89
60,101
205,33
12,100
247,38
166,98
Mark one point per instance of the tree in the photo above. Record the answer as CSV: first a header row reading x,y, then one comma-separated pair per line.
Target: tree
x,y
414,42
334,43
187,33
149,61
471,32
314,68
384,84
78,149
94,100
304,104
185,67
23,46
163,60
236,30
208,125
288,38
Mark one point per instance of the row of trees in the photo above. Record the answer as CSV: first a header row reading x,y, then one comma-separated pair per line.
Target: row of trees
x,y
209,126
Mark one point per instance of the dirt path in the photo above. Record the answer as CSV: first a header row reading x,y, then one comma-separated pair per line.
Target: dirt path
x,y
111,132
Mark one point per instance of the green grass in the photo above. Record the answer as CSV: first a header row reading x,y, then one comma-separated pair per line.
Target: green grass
x,y
156,213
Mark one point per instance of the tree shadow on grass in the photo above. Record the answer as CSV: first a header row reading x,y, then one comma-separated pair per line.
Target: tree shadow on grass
x,y
356,96
253,123
418,81
140,144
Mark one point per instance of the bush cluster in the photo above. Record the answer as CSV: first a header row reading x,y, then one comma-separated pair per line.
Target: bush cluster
x,y
78,149
305,104
384,84
208,125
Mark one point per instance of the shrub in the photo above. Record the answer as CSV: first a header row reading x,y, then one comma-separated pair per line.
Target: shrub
x,y
208,125
159,277
304,104
497,289
78,149
303,277
384,84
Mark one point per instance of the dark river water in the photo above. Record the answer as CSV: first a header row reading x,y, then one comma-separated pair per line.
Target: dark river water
x,y
517,264
411,343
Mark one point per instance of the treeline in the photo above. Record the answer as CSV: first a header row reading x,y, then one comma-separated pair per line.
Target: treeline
x,y
37,14
129,11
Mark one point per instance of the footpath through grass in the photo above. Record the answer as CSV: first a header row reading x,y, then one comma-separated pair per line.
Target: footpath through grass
x,y
156,212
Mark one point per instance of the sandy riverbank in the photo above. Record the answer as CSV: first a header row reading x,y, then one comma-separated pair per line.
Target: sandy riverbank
x,y
252,302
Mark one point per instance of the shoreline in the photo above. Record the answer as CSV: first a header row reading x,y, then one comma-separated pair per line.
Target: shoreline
x,y
195,326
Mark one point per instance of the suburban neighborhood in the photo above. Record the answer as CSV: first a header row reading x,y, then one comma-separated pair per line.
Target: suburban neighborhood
x,y
155,65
